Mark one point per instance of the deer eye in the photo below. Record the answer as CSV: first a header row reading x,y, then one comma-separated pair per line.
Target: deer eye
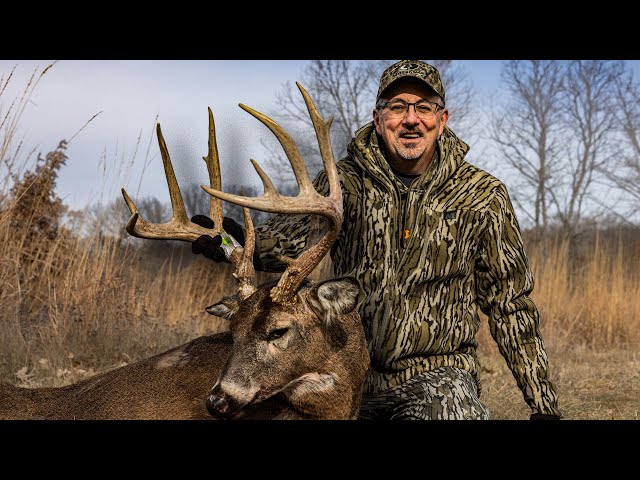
x,y
277,333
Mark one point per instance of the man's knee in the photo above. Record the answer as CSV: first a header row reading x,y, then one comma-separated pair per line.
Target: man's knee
x,y
442,394
443,408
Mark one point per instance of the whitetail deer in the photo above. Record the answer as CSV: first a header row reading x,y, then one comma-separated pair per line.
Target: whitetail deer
x,y
295,349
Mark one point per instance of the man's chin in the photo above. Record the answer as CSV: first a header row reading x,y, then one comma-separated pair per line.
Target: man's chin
x,y
411,149
410,155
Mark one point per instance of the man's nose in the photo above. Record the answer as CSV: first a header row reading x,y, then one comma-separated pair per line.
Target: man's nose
x,y
411,116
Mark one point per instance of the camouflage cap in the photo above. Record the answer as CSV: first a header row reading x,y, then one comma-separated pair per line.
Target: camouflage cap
x,y
412,68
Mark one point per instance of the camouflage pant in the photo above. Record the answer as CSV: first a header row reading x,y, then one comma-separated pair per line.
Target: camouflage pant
x,y
444,393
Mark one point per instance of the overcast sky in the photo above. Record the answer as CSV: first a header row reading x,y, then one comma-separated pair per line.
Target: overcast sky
x,y
131,93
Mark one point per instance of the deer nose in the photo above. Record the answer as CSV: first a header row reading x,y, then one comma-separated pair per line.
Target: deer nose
x,y
217,405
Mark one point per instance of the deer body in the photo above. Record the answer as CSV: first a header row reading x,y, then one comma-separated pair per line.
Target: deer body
x,y
171,385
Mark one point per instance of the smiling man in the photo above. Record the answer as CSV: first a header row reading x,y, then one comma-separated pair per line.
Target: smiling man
x,y
409,117
432,239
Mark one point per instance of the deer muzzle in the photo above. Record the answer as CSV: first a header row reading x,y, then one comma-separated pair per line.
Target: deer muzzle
x,y
220,404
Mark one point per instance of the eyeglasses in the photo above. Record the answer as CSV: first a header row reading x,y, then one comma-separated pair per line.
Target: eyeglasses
x,y
399,108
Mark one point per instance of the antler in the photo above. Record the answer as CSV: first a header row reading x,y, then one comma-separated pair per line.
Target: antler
x,y
180,228
308,201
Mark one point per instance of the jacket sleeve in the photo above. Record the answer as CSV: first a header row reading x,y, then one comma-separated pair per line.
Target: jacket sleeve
x,y
504,284
285,234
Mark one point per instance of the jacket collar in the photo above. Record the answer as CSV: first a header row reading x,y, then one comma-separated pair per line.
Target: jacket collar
x,y
365,150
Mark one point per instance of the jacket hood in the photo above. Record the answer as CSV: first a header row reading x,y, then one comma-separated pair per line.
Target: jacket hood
x,y
365,149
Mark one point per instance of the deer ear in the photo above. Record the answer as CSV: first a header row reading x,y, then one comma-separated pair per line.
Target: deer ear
x,y
339,295
226,308
332,299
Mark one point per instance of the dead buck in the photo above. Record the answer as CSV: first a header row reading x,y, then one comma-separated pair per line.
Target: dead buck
x,y
295,349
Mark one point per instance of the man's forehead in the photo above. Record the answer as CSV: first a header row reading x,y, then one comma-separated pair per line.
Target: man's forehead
x,y
409,86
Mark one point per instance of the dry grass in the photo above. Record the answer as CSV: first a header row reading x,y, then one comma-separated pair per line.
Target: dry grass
x,y
593,384
109,305
72,305
597,302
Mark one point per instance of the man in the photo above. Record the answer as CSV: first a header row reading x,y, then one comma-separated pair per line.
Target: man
x,y
431,238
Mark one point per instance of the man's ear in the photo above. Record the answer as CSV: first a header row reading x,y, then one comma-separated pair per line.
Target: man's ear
x,y
376,121
226,308
443,122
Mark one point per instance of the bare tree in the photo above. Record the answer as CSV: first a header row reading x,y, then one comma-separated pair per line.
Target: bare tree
x,y
559,132
343,89
195,200
461,98
108,219
624,172
529,136
589,109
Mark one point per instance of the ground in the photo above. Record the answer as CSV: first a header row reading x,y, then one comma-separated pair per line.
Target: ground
x,y
592,384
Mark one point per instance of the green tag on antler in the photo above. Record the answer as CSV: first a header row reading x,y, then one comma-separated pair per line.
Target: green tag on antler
x,y
228,244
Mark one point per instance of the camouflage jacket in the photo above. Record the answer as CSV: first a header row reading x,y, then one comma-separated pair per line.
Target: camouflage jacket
x,y
457,248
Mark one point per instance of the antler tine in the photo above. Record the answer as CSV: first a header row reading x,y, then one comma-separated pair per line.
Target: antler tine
x,y
178,227
324,142
213,167
298,269
289,146
274,202
308,200
242,259
177,205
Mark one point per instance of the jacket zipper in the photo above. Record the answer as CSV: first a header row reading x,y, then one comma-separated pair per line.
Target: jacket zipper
x,y
395,259
403,227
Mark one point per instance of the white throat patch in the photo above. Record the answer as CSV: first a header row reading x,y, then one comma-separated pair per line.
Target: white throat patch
x,y
313,383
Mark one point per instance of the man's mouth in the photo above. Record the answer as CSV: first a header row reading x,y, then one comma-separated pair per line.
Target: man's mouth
x,y
410,135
